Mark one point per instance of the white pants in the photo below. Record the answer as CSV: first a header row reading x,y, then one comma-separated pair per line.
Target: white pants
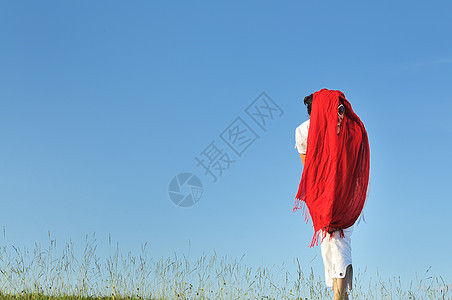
x,y
337,256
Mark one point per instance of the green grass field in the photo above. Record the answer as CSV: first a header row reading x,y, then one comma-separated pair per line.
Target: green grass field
x,y
43,297
51,274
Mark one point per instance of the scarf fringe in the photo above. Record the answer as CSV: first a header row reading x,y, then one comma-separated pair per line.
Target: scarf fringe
x,y
319,235
300,204
315,239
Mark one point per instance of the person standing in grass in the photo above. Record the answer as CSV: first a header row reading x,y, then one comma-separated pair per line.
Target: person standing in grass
x,y
334,150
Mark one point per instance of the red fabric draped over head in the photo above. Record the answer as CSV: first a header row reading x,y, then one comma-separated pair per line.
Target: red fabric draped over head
x,y
336,171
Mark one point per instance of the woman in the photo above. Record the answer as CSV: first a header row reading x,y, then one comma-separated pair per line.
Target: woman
x,y
334,150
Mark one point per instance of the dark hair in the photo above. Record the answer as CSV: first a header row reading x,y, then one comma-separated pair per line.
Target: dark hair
x,y
308,103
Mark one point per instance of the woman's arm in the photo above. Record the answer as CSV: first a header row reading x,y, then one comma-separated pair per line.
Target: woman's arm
x,y
303,158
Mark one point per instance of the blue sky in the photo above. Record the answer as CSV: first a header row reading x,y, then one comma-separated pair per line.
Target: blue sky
x,y
103,103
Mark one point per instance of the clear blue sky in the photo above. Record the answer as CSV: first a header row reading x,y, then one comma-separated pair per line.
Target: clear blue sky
x,y
102,103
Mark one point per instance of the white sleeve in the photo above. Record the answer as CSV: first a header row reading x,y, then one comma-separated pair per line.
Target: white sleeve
x,y
300,141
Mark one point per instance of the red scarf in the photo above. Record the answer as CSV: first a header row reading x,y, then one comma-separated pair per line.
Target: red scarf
x,y
336,171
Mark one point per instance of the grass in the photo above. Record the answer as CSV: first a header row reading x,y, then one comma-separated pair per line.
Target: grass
x,y
44,274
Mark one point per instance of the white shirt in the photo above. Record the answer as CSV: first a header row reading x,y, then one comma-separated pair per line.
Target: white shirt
x,y
301,137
